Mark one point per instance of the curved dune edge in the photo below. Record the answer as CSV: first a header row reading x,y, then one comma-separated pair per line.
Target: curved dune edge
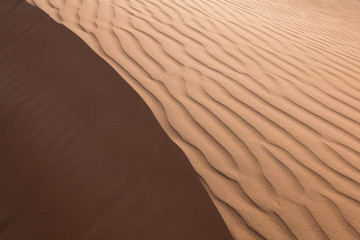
x,y
82,158
262,96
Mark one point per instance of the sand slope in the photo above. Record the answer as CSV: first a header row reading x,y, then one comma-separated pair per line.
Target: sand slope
x,y
262,96
82,158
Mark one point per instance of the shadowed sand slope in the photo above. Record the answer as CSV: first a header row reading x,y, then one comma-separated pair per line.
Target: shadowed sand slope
x,y
81,155
262,96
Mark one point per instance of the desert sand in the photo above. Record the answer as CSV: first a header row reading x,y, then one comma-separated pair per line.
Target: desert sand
x,y
81,155
262,96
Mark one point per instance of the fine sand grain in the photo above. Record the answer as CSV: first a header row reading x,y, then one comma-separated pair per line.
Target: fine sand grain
x,y
81,155
262,96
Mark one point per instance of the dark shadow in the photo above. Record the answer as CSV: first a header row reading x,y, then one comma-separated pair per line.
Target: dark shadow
x,y
81,155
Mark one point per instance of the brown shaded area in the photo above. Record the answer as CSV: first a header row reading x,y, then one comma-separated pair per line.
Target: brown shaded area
x,y
81,155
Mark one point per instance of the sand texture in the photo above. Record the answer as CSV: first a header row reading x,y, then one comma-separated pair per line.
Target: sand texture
x,y
262,96
82,158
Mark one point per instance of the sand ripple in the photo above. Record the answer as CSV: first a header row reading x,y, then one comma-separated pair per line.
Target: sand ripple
x,y
262,96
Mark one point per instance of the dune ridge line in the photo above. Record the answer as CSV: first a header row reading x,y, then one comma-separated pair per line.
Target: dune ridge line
x,y
262,96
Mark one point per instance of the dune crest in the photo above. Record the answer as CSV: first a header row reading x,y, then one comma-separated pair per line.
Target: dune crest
x,y
262,96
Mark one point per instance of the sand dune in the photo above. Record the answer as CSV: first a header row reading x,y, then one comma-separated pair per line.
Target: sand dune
x,y
70,165
262,96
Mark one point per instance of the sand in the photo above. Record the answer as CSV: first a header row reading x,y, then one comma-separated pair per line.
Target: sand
x,y
262,96
81,155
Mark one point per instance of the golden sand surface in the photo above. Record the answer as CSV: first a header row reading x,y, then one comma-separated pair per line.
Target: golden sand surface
x,y
262,96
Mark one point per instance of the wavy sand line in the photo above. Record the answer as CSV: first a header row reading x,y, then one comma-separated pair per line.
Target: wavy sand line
x,y
263,97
